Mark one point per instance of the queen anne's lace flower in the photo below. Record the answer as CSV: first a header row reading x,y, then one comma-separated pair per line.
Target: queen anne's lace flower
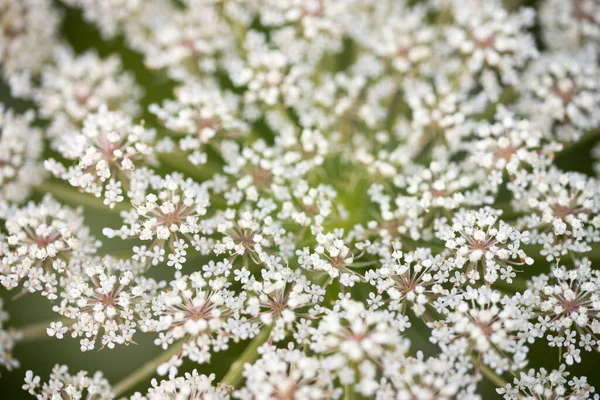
x,y
482,322
441,377
570,24
204,115
357,337
410,280
444,186
43,240
333,257
20,151
561,91
8,339
402,40
489,250
63,385
511,144
287,374
567,307
106,150
106,300
358,198
281,298
554,384
187,42
493,43
108,15
28,33
76,85
561,211
206,313
189,386
171,216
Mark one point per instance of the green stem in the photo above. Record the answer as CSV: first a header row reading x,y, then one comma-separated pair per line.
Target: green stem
x,y
179,162
35,331
145,371
492,376
75,197
234,375
517,285
348,392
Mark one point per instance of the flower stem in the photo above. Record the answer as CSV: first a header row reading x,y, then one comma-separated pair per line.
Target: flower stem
x,y
75,197
35,331
518,284
180,162
234,375
492,376
348,392
145,371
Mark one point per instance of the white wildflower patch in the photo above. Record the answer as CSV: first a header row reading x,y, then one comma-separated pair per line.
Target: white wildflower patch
x,y
302,199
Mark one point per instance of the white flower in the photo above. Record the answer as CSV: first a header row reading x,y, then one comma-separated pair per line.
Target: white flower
x,y
483,322
21,147
570,24
9,337
561,91
560,211
489,248
203,114
61,383
28,32
567,304
555,383
107,296
105,151
191,385
329,184
73,86
287,373
43,240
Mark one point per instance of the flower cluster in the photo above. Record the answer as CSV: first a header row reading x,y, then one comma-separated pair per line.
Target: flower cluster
x,y
64,385
382,199
489,252
44,242
105,151
8,339
106,299
28,35
21,147
190,386
567,305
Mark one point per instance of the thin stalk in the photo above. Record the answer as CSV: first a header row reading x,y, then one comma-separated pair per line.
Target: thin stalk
x,y
517,285
492,376
348,392
234,375
179,162
35,331
75,197
145,371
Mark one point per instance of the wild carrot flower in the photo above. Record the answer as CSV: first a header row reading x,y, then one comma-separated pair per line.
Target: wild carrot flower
x,y
388,199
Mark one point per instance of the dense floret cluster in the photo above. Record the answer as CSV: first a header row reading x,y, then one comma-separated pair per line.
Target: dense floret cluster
x,y
363,196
